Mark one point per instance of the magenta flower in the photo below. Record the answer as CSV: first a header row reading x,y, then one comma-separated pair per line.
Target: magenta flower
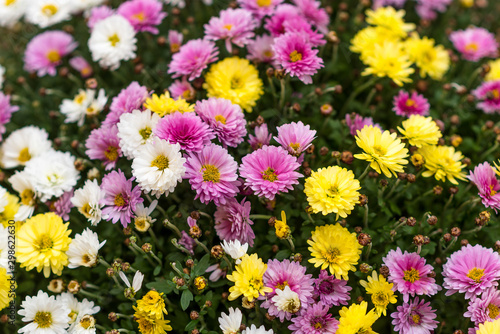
x,y
331,291
489,95
103,144
269,171
316,319
97,14
314,14
356,122
225,118
282,14
404,105
295,137
182,89
62,206
143,15
46,50
262,137
471,270
232,222
212,174
81,65
175,40
427,9
416,317
6,111
302,27
192,58
129,99
484,308
187,242
260,49
295,54
475,43
260,8
119,197
486,182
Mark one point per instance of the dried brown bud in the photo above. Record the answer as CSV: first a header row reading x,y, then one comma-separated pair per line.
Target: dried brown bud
x,y
359,299
279,74
411,178
455,119
489,124
332,37
271,221
347,157
384,271
260,120
365,268
455,231
318,91
73,286
270,317
402,176
453,190
438,190
447,237
127,230
296,107
467,161
217,252
4,318
431,274
497,245
363,200
464,242
438,261
189,263
358,229
383,183
323,151
194,315
275,248
147,248
208,303
248,304
91,83
336,154
310,149
110,272
458,331
485,216
195,232
411,221
418,240
373,174
364,239
112,316
297,257
432,220
125,266
195,215
270,72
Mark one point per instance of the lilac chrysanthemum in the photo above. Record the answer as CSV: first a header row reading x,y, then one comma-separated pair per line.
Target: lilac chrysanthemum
x,y
296,55
427,9
232,222
356,122
128,100
475,43
62,206
489,95
260,8
282,274
410,274
225,118
484,308
103,144
406,105
486,182
186,129
46,50
314,320
187,242
181,89
212,174
97,14
314,14
295,137
330,290
192,58
282,14
262,137
119,197
302,27
416,317
269,171
472,270
143,15
261,49
6,110
175,39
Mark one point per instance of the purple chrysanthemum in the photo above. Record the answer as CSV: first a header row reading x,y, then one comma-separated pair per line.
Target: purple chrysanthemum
x,y
489,95
181,89
187,242
262,137
475,43
472,270
97,14
295,137
126,101
356,122
282,14
103,144
314,320
62,206
6,110
212,174
232,222
416,317
261,49
314,14
486,182
192,58
143,15
330,290
260,8
406,105
484,308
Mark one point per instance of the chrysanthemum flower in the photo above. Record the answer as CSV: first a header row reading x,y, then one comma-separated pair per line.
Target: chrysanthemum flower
x,y
42,243
484,308
314,320
136,129
331,291
142,216
406,105
11,12
6,111
254,330
494,73
84,249
84,104
45,13
260,49
262,137
129,99
295,137
335,248
88,201
103,144
356,122
389,19
235,249
312,11
355,319
152,304
234,79
192,58
427,9
442,162
44,314
489,327
165,105
417,316
420,131
24,144
332,189
247,278
381,291
230,323
432,60
46,50
182,89
489,95
61,206
301,27
97,14
10,210
143,15
365,40
260,8
475,43
269,171
78,310
4,259
283,13
5,286
151,325
486,182
232,221
175,39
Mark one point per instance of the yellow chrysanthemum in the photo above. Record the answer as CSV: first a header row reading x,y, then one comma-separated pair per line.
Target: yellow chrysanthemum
x,y
234,79
365,40
10,209
247,278
152,304
164,104
42,244
332,189
384,150
391,20
381,291
389,60
489,327
5,292
432,60
335,248
494,73
282,228
151,325
420,131
355,319
442,162
467,3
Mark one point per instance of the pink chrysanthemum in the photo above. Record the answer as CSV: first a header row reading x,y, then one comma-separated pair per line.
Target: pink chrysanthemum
x,y
129,99
471,270
484,308
216,272
295,137
181,89
260,8
261,49
475,43
486,182
410,274
314,14
406,105
62,206
6,110
282,14
119,197
187,129
302,27
235,26
298,58
489,95
269,171
212,174
175,40
416,317
103,144
314,320
82,66
192,58
46,50
427,9
356,122
225,118
331,291
282,274
262,137
232,222
143,15
97,14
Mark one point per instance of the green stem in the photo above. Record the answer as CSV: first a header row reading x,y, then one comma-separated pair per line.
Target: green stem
x,y
260,217
355,93
202,245
171,226
292,246
474,230
365,220
491,150
393,188
283,92
91,295
365,172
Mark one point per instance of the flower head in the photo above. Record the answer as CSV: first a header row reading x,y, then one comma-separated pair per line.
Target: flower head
x,y
390,19
129,99
484,308
175,39
230,323
182,89
192,58
260,49
83,249
442,162
260,8
356,122
381,291
45,13
88,201
165,105
356,319
475,43
143,15
432,60
235,249
489,96
152,304
420,131
281,227
6,111
103,144
314,320
494,73
486,182
406,105
136,129
417,316
247,278
81,65
489,327
23,145
330,290
44,314
232,221
295,137
97,14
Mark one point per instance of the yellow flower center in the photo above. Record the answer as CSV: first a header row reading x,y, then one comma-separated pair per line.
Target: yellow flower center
x,y
363,331
379,150
49,10
236,83
80,97
228,26
471,47
220,118
331,255
160,162
210,173
24,155
72,315
269,175
86,71
119,200
27,197
114,39
380,298
53,56
415,318
268,53
476,274
493,311
44,243
318,325
255,283
145,133
295,56
9,2
91,110
111,153
43,319
87,322
85,210
411,275
294,146
174,47
492,192
282,286
86,258
186,94
332,192
410,103
495,93
264,3
139,16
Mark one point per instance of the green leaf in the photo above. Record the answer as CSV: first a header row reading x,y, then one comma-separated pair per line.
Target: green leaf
x,y
186,298
191,325
157,270
283,254
161,285
202,266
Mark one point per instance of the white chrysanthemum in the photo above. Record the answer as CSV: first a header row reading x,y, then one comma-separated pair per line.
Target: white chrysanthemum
x,y
286,300
84,249
2,69
235,249
86,325
254,330
44,314
52,174
4,200
88,201
4,247
230,324
143,219
11,12
77,310
81,5
23,184
84,104
136,282
135,129
45,13
111,41
158,167
23,145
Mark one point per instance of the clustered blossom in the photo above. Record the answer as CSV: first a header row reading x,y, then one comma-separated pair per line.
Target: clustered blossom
x,y
192,58
406,104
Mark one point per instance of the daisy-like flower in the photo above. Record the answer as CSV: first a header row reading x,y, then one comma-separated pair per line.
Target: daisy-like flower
x,y
11,12
486,182
24,144
314,14
4,256
356,122
494,73
158,167
262,137
6,295
489,327
84,104
443,162
286,301
247,278
356,319
46,50
136,129
129,99
475,43
81,65
10,206
381,291
192,58
175,39
270,171
385,152
120,199
260,49
82,5
232,221
314,320
230,323
143,219
295,137
152,304
97,14
42,243
6,110
300,26
420,131
427,9
254,330
432,60
45,13
260,8
182,89
489,96
151,325
143,15
111,41
103,144
331,291
88,201
283,13
44,314
484,308
471,270
332,190
417,316
165,105
365,40
136,285
390,19
84,249
235,249
406,105
62,205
